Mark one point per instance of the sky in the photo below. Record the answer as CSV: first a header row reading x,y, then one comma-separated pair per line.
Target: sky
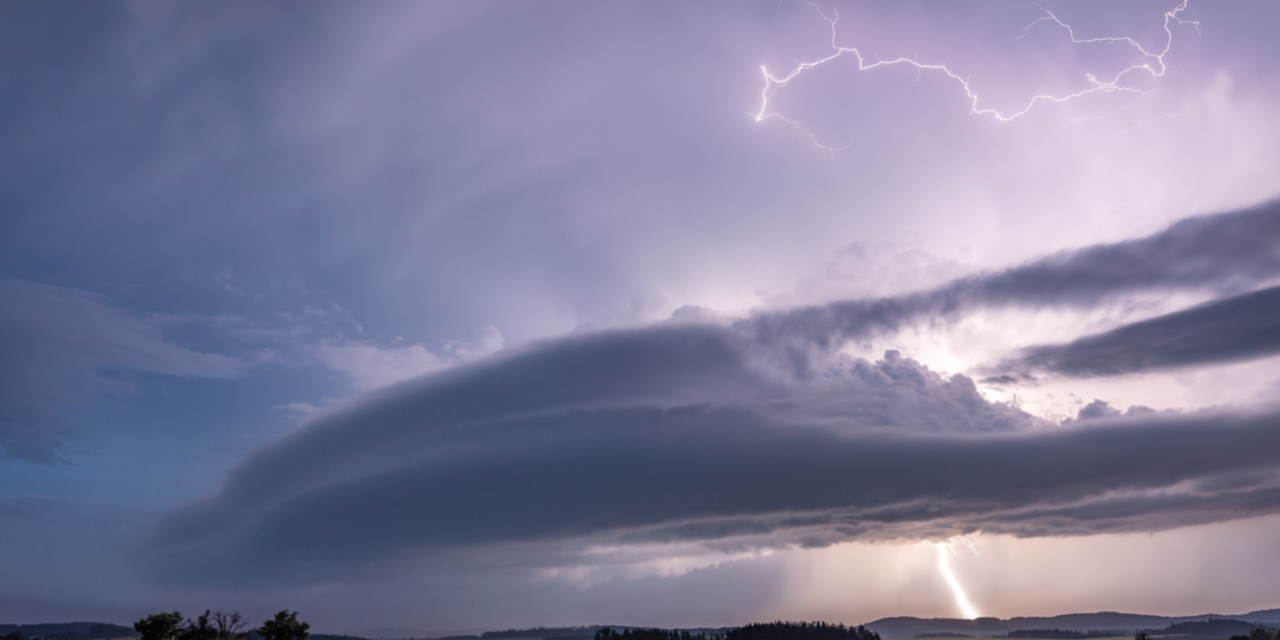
x,y
454,316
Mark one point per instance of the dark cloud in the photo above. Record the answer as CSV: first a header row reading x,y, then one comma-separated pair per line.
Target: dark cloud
x,y
1222,253
1238,328
759,434
674,436
63,347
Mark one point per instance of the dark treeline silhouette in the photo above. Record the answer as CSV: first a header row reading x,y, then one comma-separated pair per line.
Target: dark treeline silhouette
x,y
607,633
800,631
1216,627
756,631
1257,634
220,625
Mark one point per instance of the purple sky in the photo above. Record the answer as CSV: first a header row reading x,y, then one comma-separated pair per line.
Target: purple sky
x,y
458,316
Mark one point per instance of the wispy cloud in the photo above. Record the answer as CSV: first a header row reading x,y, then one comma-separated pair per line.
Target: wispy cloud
x,y
62,347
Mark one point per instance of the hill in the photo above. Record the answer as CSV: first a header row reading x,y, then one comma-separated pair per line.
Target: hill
x,y
69,630
898,628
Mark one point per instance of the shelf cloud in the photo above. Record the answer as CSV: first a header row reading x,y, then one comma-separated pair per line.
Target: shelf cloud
x,y
711,435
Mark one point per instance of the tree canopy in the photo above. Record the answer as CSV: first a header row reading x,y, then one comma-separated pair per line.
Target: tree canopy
x,y
285,626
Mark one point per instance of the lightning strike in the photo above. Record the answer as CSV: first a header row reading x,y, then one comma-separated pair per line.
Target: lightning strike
x,y
1147,61
945,551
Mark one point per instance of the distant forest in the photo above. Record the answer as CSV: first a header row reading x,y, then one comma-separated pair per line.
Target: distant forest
x,y
757,631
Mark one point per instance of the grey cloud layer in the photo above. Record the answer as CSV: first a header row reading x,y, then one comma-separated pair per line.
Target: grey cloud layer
x,y
1237,328
504,440
1225,252
735,436
695,447
61,347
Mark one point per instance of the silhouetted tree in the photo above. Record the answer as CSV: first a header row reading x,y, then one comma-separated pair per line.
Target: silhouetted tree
x,y
198,629
285,626
229,626
159,626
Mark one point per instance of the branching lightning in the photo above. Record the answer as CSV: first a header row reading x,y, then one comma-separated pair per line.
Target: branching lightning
x,y
945,551
1147,62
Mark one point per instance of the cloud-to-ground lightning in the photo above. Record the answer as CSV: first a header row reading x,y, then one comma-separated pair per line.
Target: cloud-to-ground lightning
x,y
1148,62
945,550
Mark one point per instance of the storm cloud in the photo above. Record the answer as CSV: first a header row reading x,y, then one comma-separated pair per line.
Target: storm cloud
x,y
687,441
1237,328
735,436
1223,253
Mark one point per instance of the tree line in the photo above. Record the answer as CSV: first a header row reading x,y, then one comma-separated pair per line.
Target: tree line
x,y
756,631
220,625
1258,634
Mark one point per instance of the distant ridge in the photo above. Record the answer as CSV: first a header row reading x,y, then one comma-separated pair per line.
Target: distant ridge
x,y
1122,623
1265,615
69,630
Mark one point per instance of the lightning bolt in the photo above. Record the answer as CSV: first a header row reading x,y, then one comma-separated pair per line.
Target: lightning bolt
x,y
945,551
1147,62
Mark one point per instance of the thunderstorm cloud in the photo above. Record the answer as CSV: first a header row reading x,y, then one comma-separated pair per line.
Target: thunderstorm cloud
x,y
1219,253
761,434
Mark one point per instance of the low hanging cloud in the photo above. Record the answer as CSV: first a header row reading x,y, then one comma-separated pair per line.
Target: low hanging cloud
x,y
525,457
62,347
706,438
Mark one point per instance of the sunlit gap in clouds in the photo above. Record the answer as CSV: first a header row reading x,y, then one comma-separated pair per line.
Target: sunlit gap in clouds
x,y
945,550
